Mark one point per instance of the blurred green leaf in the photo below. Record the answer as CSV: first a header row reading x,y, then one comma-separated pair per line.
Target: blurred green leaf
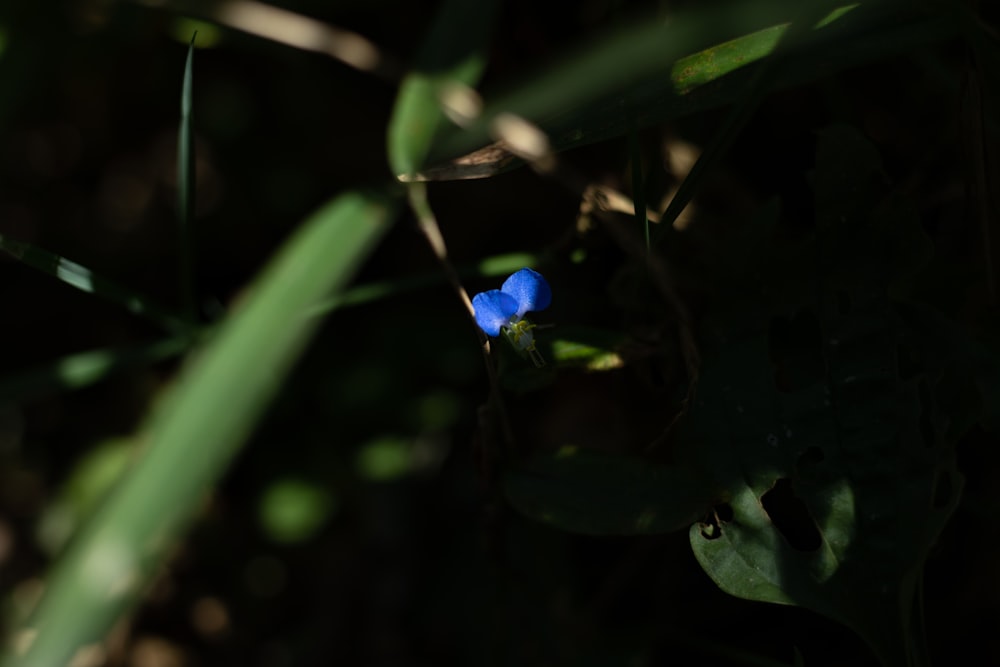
x,y
452,57
209,34
437,411
384,459
293,510
196,430
806,21
700,59
584,347
85,368
89,482
568,347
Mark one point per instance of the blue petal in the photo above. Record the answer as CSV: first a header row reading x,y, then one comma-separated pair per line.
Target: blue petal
x,y
493,310
529,289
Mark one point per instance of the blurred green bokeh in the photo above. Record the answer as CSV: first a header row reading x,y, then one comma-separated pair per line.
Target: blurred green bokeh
x,y
294,510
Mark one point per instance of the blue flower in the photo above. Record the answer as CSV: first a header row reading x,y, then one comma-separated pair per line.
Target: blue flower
x,y
524,291
502,310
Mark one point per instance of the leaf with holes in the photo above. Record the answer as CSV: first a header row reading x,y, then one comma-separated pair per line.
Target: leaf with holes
x,y
838,467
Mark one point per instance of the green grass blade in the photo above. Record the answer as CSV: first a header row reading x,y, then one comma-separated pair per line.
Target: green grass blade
x,y
623,62
186,189
195,432
86,280
453,54
669,70
765,75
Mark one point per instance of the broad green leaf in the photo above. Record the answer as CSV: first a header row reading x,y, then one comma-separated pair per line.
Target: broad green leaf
x,y
839,470
195,431
602,494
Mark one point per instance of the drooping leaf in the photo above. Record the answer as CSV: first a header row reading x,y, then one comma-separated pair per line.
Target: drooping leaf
x,y
452,57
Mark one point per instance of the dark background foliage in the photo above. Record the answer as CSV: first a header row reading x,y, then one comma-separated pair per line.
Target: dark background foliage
x,y
362,524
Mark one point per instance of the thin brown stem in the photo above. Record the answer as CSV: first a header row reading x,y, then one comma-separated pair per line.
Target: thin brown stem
x,y
417,193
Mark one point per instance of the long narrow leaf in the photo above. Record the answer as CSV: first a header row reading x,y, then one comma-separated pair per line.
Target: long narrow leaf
x,y
666,71
84,279
186,188
747,105
196,431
